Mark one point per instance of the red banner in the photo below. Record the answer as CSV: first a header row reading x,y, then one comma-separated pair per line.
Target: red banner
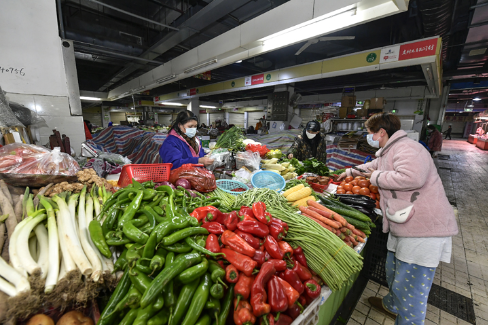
x,y
418,49
156,99
192,92
257,79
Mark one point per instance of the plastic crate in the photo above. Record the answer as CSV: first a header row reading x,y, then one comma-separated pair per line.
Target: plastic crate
x,y
228,186
375,255
143,173
310,315
267,179
317,187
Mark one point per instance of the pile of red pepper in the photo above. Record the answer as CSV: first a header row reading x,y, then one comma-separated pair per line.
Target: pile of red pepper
x,y
262,149
272,280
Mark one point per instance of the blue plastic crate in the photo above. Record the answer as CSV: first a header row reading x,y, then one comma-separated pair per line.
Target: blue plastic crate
x,y
227,185
267,179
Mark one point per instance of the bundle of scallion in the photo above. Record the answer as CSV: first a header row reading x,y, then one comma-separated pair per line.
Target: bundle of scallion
x,y
270,197
327,255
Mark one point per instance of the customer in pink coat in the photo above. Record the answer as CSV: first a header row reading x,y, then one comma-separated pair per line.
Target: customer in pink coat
x,y
435,140
416,213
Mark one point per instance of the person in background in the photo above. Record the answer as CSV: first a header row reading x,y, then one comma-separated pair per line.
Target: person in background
x,y
110,124
435,140
416,214
203,126
448,132
310,144
181,146
88,134
89,125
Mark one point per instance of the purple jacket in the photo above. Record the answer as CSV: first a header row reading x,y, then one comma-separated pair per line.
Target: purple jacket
x,y
177,151
435,141
405,174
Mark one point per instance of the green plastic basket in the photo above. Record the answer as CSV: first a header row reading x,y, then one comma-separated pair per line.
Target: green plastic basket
x,y
228,185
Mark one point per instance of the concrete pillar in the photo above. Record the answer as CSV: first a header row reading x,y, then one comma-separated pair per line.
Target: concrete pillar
x,y
208,119
246,117
227,117
443,103
276,126
194,106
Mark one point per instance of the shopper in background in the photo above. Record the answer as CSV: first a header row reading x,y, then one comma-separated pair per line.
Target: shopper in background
x,y
416,213
181,146
310,144
448,132
88,134
435,140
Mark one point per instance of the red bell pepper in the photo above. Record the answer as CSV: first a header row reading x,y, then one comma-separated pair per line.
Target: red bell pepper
x,y
277,231
259,257
283,320
286,248
307,298
209,212
292,278
267,257
214,228
271,246
242,262
279,265
242,289
258,290
291,294
261,245
230,220
237,243
276,295
259,209
250,239
294,311
212,243
280,222
302,300
312,289
221,263
243,313
267,320
255,228
303,273
231,274
300,256
246,211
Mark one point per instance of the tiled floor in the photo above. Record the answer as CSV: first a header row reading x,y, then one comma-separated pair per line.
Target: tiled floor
x,y
465,179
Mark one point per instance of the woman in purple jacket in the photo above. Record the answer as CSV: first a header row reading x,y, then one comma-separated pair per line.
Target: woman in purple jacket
x,y
181,146
416,213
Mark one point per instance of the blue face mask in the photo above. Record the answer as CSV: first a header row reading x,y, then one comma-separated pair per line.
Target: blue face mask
x,y
191,132
371,142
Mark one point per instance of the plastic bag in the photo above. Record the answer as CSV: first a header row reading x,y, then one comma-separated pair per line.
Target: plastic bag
x,y
25,115
114,158
19,158
243,175
250,160
200,179
220,158
7,117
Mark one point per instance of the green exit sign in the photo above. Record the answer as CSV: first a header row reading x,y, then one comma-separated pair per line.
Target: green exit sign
x,y
394,111
468,109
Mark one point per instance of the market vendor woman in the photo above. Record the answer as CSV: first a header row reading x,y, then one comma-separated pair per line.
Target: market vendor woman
x,y
310,144
181,146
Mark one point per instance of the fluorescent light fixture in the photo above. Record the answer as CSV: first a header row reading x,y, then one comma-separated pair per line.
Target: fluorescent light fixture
x,y
138,89
173,104
239,61
166,78
89,98
207,106
335,20
201,66
476,99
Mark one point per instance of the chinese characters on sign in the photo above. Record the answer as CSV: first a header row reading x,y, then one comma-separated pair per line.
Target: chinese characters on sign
x,y
418,49
254,80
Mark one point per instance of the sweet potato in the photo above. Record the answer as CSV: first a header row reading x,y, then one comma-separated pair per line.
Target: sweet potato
x,y
6,192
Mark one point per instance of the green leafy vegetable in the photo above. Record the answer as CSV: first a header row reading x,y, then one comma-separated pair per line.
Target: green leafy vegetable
x,y
231,139
313,166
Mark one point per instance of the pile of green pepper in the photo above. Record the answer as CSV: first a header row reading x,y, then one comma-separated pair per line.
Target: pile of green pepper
x,y
169,276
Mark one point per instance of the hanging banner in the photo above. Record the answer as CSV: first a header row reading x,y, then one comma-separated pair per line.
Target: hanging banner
x,y
418,49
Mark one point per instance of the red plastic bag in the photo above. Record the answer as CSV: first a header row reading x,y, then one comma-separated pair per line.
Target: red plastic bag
x,y
200,179
262,149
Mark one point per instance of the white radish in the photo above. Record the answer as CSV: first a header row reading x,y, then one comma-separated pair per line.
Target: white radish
x,y
10,274
22,246
71,237
85,237
43,238
33,247
68,263
8,288
53,269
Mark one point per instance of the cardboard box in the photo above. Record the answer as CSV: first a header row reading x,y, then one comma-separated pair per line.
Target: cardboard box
x,y
348,101
378,103
344,111
362,112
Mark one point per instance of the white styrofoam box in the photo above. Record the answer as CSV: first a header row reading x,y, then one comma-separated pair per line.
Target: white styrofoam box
x,y
310,315
413,135
52,106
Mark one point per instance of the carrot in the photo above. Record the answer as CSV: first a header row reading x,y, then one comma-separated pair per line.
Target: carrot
x,y
346,231
361,239
355,231
336,216
353,241
319,217
319,222
348,243
327,215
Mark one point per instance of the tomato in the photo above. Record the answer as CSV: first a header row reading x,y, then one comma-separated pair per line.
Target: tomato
x,y
343,183
349,192
373,189
341,191
349,179
377,204
372,195
354,183
347,187
364,183
356,189
358,178
364,191
340,187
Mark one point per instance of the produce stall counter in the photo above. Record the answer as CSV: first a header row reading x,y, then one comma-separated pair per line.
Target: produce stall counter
x,y
473,138
482,143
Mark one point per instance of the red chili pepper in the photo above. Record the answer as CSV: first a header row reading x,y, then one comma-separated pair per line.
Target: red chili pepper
x,y
221,263
214,228
286,248
242,289
212,243
312,289
237,243
279,265
259,257
283,320
303,273
231,220
259,209
300,256
294,311
243,313
302,300
246,211
250,239
271,246
209,212
267,320
231,274
242,262
276,295
292,278
255,228
277,231
258,290
291,294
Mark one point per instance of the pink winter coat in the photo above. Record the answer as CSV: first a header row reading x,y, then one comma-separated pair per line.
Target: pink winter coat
x,y
405,174
435,141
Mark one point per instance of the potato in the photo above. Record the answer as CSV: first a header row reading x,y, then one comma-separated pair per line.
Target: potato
x,y
40,319
75,317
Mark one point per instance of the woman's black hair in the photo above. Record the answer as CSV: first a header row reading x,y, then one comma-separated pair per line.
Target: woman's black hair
x,y
430,126
182,118
313,143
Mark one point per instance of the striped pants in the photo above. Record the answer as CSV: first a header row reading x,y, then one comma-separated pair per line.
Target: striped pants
x,y
409,286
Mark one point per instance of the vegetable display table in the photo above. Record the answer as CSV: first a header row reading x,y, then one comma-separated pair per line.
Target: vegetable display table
x,y
482,144
473,138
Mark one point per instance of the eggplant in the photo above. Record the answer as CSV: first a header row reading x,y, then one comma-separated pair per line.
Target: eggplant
x,y
356,197
362,203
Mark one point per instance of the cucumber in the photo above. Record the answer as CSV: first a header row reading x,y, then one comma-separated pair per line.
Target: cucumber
x,y
356,223
347,212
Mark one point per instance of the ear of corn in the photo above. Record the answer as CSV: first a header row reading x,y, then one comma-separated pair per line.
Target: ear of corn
x,y
277,167
303,202
293,189
300,194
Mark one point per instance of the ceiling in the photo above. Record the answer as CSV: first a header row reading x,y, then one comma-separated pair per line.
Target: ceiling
x,y
119,40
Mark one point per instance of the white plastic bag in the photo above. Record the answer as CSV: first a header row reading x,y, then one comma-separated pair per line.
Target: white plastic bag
x,y
220,158
250,160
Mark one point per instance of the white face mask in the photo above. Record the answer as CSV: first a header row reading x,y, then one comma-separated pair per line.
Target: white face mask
x,y
310,135
371,142
191,132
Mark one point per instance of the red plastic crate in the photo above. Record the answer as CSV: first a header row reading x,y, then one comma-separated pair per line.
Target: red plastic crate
x,y
143,173
317,187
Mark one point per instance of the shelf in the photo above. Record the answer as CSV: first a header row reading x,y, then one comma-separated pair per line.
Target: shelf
x,y
348,119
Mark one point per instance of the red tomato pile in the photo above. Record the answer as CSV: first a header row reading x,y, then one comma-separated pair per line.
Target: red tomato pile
x,y
359,185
